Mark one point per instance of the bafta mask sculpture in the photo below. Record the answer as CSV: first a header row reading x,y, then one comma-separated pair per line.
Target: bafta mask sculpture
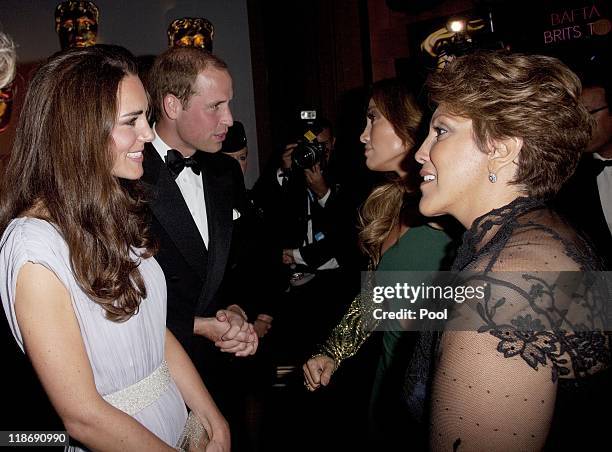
x,y
6,106
191,32
76,23
7,74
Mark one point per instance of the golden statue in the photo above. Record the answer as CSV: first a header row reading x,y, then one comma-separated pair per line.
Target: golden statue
x,y
191,32
76,23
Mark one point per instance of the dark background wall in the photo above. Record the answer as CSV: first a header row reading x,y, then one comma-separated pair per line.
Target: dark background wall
x,y
305,53
320,53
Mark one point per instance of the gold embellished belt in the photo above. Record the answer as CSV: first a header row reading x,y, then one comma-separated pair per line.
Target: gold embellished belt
x,y
143,393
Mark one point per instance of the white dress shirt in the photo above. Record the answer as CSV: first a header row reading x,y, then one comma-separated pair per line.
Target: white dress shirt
x,y
604,185
192,188
297,256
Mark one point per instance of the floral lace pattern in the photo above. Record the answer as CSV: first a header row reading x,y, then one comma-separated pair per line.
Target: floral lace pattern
x,y
528,312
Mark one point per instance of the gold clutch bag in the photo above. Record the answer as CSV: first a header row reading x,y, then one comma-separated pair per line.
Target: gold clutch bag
x,y
194,437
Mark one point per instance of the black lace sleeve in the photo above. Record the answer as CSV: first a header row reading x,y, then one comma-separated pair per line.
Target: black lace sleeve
x,y
542,319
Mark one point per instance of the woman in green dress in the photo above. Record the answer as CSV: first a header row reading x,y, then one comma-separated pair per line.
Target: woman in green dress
x,y
396,238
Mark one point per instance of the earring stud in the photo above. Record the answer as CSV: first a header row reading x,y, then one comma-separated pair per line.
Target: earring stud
x,y
492,178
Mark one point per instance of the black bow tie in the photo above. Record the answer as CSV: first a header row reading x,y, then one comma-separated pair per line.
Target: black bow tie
x,y
176,163
597,165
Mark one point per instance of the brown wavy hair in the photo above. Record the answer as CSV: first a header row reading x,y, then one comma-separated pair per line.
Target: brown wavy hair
x,y
388,205
60,171
532,97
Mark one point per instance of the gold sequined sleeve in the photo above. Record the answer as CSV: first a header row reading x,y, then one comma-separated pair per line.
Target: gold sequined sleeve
x,y
354,328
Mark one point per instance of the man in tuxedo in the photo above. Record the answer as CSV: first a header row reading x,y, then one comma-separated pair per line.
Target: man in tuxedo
x,y
586,199
196,194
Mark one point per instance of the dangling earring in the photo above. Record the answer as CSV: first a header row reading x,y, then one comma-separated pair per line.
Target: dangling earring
x,y
492,178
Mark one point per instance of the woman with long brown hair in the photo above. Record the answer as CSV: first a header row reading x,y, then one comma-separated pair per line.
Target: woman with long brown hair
x,y
84,297
395,237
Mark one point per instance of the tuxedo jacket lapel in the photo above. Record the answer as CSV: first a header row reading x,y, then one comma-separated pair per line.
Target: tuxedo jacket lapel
x,y
218,194
171,212
579,201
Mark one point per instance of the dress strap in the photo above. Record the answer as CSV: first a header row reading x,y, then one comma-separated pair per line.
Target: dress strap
x,y
143,393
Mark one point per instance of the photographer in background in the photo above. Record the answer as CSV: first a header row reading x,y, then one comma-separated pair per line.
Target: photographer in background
x,y
306,217
304,164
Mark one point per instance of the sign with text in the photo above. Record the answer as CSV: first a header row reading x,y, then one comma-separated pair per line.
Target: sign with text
x,y
576,23
568,29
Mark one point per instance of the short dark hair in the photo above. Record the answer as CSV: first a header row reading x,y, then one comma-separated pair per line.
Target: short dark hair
x,y
324,123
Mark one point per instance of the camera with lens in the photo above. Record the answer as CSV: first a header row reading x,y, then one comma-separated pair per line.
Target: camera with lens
x,y
307,154
309,151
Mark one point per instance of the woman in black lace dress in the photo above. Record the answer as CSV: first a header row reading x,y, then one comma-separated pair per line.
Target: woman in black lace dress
x,y
507,133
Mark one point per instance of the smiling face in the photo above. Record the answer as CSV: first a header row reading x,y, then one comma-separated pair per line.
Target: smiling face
x,y
131,129
203,123
455,170
384,150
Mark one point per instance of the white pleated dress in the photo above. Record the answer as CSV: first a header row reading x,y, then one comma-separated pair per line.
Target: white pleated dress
x,y
120,354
